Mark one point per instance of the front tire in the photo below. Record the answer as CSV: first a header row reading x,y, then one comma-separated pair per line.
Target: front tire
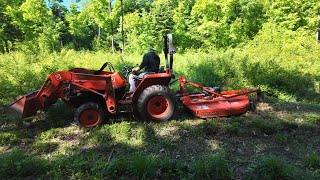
x,y
156,103
89,115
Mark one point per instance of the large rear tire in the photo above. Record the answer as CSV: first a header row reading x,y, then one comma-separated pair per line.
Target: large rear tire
x,y
156,103
89,115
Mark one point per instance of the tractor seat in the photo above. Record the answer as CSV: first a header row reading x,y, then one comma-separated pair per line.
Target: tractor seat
x,y
161,70
139,79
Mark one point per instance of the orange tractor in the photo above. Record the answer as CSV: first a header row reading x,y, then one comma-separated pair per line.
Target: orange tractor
x,y
97,94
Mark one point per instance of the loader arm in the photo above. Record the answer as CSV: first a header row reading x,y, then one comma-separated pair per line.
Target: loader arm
x,y
62,85
52,89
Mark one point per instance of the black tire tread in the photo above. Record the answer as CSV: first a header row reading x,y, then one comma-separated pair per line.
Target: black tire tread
x,y
88,105
147,94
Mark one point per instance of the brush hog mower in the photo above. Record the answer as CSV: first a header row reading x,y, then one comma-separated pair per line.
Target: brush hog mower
x,y
98,94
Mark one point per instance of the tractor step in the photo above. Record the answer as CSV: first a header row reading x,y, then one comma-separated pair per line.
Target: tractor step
x,y
125,102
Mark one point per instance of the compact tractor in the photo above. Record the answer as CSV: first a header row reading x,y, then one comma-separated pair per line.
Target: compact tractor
x,y
98,94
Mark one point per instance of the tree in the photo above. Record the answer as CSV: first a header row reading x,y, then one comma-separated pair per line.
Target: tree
x,y
294,14
10,34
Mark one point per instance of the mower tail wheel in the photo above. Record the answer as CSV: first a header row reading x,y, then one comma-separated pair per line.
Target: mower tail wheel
x,y
89,115
156,103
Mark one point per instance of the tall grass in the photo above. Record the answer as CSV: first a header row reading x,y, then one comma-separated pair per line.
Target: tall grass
x,y
284,64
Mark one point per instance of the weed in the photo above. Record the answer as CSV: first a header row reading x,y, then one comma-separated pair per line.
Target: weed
x,y
50,135
173,169
118,168
10,138
212,167
271,167
120,132
232,128
45,146
17,164
143,167
312,118
78,166
138,166
267,126
312,160
281,138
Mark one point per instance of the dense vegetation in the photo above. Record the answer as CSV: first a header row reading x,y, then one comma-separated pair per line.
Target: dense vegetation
x,y
50,26
234,43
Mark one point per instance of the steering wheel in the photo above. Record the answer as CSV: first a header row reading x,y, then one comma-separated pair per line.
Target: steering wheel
x,y
127,71
111,68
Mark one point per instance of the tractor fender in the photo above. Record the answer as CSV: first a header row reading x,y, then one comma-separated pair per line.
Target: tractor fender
x,y
151,79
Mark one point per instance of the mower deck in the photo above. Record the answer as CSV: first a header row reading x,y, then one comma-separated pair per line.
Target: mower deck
x,y
208,106
213,103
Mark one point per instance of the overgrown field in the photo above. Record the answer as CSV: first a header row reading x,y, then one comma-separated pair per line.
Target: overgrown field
x,y
280,140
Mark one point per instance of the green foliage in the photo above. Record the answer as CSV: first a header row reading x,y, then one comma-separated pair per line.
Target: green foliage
x,y
312,160
10,138
139,166
75,166
143,167
172,169
147,167
17,164
271,167
45,146
212,167
196,24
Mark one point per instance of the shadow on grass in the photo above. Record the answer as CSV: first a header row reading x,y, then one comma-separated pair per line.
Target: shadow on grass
x,y
15,131
174,149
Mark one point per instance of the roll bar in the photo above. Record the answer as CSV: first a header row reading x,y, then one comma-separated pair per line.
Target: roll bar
x,y
169,49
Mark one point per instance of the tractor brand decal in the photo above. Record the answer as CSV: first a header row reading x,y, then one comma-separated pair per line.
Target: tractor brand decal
x,y
202,107
58,77
209,113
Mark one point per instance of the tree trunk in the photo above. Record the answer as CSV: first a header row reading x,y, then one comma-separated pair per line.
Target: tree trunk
x,y
6,46
2,48
112,35
122,33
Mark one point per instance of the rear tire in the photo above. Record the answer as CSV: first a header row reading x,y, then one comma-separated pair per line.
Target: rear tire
x,y
89,115
156,103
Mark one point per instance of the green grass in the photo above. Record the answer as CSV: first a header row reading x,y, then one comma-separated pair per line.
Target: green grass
x,y
211,167
312,160
271,167
221,148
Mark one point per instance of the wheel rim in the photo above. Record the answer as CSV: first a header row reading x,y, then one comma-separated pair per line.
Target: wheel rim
x,y
90,118
158,107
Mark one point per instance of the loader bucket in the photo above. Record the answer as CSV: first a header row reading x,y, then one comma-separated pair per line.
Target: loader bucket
x,y
24,106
